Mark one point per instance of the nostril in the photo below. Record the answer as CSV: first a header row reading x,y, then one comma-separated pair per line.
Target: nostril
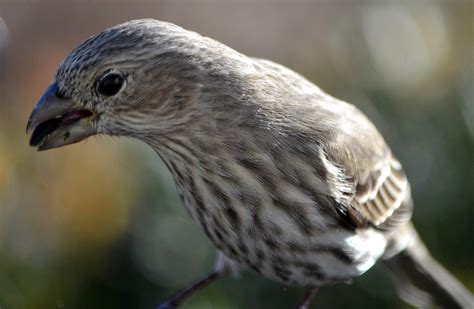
x,y
59,93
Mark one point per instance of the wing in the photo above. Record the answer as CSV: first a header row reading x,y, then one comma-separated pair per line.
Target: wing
x,y
380,194
367,182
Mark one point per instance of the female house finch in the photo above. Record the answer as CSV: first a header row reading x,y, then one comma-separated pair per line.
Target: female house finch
x,y
281,177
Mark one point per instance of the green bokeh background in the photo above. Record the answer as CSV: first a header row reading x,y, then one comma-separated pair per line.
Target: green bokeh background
x,y
100,225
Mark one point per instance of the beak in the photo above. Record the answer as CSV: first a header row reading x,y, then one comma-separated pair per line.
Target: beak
x,y
58,121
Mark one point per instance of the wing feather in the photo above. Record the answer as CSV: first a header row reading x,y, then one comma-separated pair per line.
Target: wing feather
x,y
382,194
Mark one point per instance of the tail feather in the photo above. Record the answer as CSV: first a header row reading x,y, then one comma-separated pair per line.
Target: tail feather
x,y
423,282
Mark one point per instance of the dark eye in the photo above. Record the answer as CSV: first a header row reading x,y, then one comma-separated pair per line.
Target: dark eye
x,y
110,84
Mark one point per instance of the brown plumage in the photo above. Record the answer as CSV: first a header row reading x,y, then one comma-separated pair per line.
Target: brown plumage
x,y
281,177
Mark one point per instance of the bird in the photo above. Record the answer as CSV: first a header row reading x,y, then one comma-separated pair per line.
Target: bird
x,y
284,180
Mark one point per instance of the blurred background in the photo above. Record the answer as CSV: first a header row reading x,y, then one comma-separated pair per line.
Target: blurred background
x,y
100,224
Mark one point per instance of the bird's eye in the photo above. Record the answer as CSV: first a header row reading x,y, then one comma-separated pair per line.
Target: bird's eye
x,y
110,84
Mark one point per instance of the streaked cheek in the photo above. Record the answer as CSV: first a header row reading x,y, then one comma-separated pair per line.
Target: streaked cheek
x,y
118,123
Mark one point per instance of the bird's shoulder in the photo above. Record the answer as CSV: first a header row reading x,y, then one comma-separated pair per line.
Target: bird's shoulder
x,y
367,182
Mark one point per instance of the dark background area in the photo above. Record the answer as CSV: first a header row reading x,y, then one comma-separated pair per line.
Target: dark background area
x,y
100,224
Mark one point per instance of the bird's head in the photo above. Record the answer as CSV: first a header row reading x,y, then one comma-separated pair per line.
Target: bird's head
x,y
133,79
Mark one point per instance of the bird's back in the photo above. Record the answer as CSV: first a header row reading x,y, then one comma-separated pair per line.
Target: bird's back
x,y
272,187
